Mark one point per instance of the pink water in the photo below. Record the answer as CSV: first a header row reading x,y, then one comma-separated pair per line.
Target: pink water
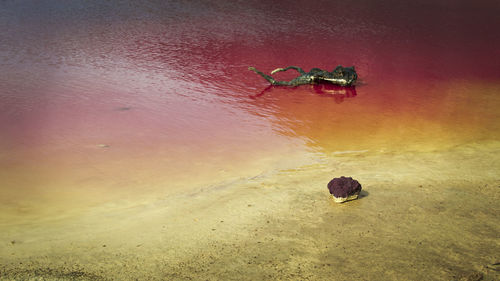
x,y
117,101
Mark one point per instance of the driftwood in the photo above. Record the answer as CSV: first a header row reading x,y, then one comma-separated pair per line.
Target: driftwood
x,y
343,76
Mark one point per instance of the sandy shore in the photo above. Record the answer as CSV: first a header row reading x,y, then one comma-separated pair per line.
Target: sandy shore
x,y
422,216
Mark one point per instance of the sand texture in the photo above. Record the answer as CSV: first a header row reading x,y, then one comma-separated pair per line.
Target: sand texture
x,y
420,216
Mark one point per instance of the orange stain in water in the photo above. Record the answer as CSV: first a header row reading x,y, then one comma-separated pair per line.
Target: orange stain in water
x,y
405,116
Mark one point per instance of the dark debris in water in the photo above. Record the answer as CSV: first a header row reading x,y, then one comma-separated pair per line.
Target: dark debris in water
x,y
124,108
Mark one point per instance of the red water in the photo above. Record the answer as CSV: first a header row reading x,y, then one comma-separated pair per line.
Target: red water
x,y
101,101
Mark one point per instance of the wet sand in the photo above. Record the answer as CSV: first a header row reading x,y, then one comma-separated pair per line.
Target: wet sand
x,y
421,216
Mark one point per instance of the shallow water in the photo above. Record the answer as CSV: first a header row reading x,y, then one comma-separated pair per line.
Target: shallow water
x,y
124,104
104,101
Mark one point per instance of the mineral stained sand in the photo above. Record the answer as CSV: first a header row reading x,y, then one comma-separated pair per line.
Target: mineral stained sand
x,y
135,144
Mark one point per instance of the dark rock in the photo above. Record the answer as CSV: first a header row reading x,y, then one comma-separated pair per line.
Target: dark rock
x,y
344,189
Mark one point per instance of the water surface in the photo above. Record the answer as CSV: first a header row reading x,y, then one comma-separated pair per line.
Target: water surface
x,y
110,100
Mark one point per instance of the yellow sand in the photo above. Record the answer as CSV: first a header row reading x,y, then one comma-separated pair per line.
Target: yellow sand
x,y
421,216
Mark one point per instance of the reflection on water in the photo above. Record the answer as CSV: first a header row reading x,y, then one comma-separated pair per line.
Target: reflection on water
x,y
101,101
338,93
